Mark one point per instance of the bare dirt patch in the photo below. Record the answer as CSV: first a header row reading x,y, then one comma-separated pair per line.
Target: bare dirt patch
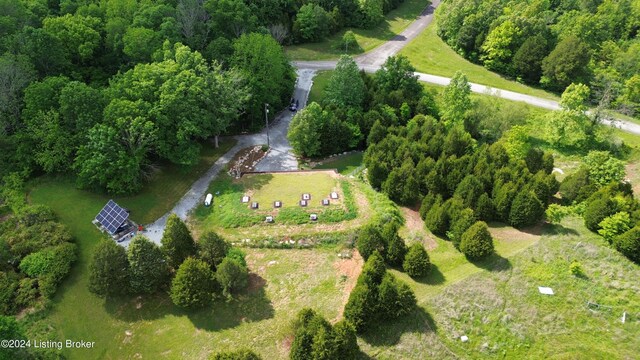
x,y
415,229
349,269
507,233
633,174
246,160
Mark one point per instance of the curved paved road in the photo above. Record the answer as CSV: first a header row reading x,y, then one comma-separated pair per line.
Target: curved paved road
x,y
280,157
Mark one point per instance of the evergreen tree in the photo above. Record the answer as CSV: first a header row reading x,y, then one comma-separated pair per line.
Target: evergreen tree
x,y
396,248
242,354
109,270
460,225
212,249
416,262
369,240
194,285
484,209
629,244
149,269
232,275
177,242
526,210
477,242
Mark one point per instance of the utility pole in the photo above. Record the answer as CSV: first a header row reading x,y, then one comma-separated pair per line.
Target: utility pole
x,y
266,120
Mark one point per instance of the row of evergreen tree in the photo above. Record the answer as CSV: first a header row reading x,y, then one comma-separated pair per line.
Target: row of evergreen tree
x,y
195,274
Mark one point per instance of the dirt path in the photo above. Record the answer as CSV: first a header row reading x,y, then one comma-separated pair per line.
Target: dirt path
x,y
414,229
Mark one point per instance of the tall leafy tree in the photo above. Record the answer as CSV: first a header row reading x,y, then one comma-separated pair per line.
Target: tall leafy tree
x,y
79,35
177,242
346,87
270,76
15,75
456,100
312,23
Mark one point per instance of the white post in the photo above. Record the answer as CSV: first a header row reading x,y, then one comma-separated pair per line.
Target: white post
x,y
624,316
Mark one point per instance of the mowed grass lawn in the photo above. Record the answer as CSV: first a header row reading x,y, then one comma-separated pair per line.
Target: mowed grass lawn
x,y
429,54
229,216
345,164
289,187
320,82
395,22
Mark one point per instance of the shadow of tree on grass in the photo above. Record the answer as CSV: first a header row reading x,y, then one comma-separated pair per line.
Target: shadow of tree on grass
x,y
493,262
248,306
389,332
434,277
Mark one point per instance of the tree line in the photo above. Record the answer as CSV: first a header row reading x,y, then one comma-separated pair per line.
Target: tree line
x,y
553,43
106,89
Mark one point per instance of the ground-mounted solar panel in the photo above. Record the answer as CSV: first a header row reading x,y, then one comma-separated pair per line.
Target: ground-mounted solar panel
x,y
112,216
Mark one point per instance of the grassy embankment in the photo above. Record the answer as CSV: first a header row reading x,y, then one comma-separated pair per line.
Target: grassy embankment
x,y
395,22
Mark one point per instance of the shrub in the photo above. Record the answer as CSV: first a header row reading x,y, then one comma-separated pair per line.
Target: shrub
x,y
8,286
604,168
34,214
577,187
477,242
242,354
416,262
614,225
232,275
109,269
194,284
369,240
597,210
526,210
629,244
576,268
555,213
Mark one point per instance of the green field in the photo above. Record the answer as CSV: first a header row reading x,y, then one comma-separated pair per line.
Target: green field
x,y
345,164
429,54
228,212
395,22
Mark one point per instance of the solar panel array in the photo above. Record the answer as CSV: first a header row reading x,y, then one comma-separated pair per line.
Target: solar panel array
x,y
112,216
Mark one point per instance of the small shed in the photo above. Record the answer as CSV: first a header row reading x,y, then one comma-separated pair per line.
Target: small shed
x,y
313,217
277,204
325,202
303,203
306,196
334,195
268,219
254,205
208,199
245,199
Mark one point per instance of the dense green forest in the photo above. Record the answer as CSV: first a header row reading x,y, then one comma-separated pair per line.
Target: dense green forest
x,y
553,43
104,89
